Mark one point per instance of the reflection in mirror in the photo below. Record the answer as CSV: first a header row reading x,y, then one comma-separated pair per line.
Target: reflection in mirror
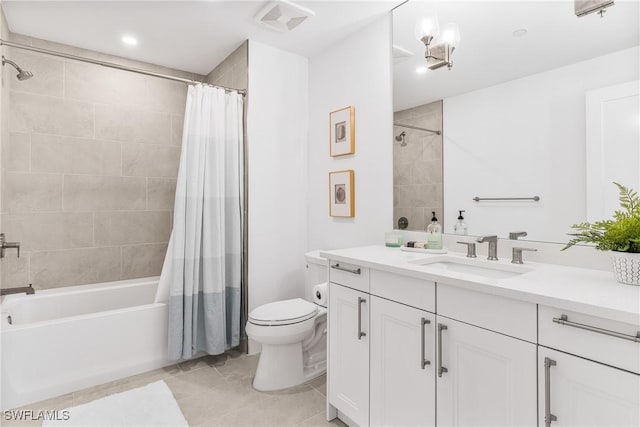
x,y
540,107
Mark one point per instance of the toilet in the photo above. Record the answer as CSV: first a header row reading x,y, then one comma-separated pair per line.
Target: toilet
x,y
293,334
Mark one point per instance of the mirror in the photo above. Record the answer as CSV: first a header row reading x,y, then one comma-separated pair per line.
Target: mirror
x,y
540,108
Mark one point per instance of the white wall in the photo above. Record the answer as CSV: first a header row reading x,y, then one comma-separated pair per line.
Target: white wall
x,y
525,137
356,71
277,162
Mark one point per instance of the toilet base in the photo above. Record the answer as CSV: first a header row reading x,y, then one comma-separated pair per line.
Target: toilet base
x,y
280,366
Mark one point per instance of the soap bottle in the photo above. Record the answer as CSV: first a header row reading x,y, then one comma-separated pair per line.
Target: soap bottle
x,y
460,228
434,237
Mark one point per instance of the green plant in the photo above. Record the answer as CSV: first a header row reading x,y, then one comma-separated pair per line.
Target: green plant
x,y
620,234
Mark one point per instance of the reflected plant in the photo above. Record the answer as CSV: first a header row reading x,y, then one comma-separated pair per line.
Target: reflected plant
x,y
620,234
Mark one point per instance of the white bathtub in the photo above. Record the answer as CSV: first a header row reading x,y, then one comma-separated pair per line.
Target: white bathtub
x,y
66,339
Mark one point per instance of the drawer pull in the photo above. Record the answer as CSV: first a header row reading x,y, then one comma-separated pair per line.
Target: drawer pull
x,y
348,270
360,333
548,416
564,320
423,361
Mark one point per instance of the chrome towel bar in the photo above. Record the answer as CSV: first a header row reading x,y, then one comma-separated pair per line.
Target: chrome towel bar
x,y
503,199
564,320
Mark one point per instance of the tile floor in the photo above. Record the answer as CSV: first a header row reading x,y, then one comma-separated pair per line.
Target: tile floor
x,y
216,391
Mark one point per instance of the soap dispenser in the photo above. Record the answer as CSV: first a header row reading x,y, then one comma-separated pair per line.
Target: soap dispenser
x,y
434,230
460,228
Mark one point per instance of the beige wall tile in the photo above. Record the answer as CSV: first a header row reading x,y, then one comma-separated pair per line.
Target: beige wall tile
x,y
28,192
74,267
87,193
114,122
51,153
142,260
50,231
16,152
15,271
161,194
45,114
149,160
127,228
177,123
166,95
47,70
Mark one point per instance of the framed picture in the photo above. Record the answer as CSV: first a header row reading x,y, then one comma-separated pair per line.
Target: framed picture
x,y
342,132
341,195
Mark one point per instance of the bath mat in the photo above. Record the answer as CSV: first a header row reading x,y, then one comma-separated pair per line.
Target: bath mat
x,y
151,405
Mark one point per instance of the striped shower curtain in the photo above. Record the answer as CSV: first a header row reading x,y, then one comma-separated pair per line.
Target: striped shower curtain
x,y
202,269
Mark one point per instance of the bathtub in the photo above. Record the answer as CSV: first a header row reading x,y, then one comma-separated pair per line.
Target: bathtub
x,y
66,339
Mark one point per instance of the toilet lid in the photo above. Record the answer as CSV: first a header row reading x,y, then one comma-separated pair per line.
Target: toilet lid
x,y
283,312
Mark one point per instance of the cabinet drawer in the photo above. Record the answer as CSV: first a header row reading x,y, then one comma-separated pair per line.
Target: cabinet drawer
x,y
504,315
591,337
350,275
406,290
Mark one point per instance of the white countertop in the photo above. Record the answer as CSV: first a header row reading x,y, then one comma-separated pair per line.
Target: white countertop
x,y
593,292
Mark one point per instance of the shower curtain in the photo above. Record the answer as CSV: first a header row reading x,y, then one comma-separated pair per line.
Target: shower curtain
x,y
202,269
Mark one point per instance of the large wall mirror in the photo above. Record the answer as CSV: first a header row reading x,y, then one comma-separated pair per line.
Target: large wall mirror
x,y
539,107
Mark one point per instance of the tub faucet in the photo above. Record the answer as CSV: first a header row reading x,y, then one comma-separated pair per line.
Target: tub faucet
x,y
493,246
4,245
26,289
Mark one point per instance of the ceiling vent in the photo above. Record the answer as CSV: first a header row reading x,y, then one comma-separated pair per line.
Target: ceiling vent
x,y
283,16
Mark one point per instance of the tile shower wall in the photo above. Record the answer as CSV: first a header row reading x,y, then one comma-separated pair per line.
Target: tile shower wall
x,y
89,169
417,167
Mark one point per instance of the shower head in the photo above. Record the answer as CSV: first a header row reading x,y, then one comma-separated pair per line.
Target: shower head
x,y
400,138
22,74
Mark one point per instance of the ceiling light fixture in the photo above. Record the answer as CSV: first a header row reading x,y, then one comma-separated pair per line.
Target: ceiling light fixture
x,y
439,44
129,40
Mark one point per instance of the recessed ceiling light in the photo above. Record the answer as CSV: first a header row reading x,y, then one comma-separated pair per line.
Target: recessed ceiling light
x,y
129,40
422,70
520,32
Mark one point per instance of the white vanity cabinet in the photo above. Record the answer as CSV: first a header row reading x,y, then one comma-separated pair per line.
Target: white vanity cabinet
x,y
348,375
484,378
402,345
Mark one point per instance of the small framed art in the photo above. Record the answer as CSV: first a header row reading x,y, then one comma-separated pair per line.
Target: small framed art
x,y
341,194
342,132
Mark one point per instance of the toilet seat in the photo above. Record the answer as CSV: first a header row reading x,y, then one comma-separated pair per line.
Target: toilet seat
x,y
285,312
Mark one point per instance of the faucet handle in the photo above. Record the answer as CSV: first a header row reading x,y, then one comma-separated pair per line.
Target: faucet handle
x,y
471,249
517,254
513,235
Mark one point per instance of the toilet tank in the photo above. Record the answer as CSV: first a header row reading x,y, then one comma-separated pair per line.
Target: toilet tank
x,y
315,272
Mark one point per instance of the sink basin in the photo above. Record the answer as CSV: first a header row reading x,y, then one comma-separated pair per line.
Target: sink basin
x,y
473,267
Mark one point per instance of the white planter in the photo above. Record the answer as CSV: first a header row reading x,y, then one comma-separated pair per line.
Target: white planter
x,y
626,267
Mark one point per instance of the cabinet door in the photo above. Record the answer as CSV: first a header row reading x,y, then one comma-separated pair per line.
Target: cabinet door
x,y
403,382
348,386
486,378
585,393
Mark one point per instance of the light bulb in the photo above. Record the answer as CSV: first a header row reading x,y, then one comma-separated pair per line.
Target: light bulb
x,y
427,26
129,40
451,34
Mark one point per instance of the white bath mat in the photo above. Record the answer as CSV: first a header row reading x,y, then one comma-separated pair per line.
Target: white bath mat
x,y
151,405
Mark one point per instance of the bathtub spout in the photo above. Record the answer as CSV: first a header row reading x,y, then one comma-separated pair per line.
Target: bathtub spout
x,y
26,289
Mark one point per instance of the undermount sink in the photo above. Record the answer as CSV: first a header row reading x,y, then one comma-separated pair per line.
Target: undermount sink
x,y
485,269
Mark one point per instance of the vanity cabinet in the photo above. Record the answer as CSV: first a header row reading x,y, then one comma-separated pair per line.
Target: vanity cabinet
x,y
402,346
348,356
577,392
484,378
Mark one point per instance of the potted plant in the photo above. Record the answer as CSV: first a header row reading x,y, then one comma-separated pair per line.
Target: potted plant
x,y
620,235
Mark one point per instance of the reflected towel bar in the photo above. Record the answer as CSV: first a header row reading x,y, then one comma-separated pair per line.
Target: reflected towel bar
x,y
481,199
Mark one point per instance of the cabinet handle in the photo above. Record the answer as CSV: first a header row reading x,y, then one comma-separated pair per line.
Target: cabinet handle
x,y
348,270
360,333
548,416
423,361
564,320
441,369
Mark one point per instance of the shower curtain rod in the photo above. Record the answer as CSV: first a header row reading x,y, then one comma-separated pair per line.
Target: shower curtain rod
x,y
437,132
116,66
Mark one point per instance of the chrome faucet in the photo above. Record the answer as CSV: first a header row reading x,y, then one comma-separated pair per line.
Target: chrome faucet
x,y
26,289
8,245
513,235
493,246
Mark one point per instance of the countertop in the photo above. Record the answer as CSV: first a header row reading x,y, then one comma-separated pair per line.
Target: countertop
x,y
583,290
